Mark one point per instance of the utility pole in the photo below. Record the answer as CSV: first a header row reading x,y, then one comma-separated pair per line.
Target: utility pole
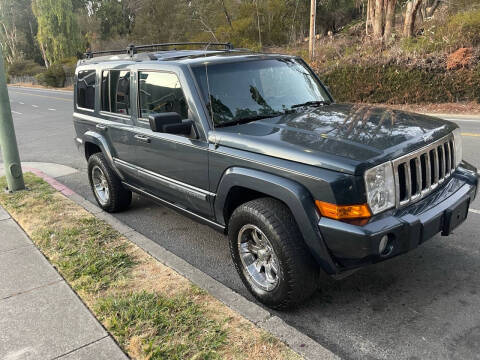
x,y
8,141
311,42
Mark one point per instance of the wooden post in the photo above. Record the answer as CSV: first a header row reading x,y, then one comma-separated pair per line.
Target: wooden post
x,y
311,41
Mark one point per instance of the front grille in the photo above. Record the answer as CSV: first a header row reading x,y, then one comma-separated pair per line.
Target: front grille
x,y
419,173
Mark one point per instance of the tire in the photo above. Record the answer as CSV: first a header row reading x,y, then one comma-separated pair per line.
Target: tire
x,y
297,274
116,198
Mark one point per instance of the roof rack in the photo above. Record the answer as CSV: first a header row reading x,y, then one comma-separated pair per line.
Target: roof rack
x,y
133,49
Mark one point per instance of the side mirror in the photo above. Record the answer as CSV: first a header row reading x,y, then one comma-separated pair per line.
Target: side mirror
x,y
170,123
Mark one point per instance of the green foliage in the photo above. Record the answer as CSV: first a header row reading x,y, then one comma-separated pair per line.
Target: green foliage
x,y
58,32
24,68
460,30
464,28
177,326
402,85
54,76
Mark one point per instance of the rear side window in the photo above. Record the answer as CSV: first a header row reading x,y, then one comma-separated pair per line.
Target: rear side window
x,y
116,91
161,92
86,89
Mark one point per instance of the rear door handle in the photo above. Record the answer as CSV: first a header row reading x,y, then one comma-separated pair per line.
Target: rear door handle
x,y
142,138
101,127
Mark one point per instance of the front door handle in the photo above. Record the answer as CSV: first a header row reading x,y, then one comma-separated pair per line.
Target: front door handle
x,y
142,138
101,127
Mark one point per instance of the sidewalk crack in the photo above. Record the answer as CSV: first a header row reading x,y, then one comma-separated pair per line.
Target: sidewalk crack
x,y
32,289
80,347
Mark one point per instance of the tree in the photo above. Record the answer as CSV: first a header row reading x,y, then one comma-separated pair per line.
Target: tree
x,y
381,17
390,6
410,16
17,30
58,34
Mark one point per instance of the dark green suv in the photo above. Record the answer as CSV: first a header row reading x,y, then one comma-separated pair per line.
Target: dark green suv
x,y
254,146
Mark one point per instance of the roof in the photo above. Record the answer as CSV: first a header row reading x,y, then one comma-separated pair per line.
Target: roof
x,y
189,56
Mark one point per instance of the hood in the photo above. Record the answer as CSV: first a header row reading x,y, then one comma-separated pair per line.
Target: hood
x,y
341,137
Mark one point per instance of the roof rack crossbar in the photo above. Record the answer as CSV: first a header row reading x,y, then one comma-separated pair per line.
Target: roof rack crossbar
x,y
133,49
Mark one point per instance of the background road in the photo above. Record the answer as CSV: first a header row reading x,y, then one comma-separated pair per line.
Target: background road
x,y
425,304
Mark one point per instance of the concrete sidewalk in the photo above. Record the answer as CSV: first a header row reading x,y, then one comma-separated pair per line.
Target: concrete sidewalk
x,y
40,315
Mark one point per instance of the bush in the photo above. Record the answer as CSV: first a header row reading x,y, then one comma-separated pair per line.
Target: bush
x,y
24,68
54,76
402,85
69,64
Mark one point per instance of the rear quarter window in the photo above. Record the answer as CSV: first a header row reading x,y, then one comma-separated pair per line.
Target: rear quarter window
x,y
86,89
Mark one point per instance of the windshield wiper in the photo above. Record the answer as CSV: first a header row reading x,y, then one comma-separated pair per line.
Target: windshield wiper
x,y
249,119
316,103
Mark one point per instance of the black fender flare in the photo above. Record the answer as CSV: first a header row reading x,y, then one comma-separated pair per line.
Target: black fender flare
x,y
101,142
294,195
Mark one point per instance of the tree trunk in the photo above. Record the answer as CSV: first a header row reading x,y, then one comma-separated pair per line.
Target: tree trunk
x,y
378,19
389,19
431,9
258,25
227,15
44,55
410,15
370,15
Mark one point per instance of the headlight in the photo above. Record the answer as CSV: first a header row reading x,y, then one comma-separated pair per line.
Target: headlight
x,y
380,185
457,141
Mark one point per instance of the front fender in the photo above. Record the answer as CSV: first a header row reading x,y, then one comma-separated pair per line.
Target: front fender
x,y
294,195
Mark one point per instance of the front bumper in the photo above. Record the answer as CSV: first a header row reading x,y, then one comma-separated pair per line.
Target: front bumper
x,y
353,246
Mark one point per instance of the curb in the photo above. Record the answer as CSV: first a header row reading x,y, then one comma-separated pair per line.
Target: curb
x,y
297,341
472,117
13,86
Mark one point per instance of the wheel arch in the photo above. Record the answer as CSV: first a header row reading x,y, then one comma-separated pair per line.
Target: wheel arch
x,y
294,195
95,142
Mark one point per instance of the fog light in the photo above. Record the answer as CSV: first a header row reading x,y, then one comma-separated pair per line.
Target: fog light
x,y
383,244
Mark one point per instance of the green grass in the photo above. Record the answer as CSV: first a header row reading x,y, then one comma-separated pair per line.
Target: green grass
x,y
88,253
177,326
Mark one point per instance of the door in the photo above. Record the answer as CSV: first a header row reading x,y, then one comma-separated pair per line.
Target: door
x,y
172,167
116,110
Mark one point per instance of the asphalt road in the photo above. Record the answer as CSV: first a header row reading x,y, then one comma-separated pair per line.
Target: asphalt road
x,y
422,305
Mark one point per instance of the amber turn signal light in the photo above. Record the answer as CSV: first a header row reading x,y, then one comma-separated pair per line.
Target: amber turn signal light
x,y
343,212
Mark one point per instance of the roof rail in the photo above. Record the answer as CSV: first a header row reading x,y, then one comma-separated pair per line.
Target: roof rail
x,y
133,49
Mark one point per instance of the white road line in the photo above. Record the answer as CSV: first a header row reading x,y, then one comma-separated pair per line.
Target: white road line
x,y
35,106
16,112
474,211
21,103
52,109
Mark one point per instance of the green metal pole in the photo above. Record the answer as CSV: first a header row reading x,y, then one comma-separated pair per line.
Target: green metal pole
x,y
8,141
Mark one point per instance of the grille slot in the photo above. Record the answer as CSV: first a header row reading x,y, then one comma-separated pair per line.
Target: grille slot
x,y
419,173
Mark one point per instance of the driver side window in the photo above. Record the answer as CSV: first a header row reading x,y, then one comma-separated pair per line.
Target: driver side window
x,y
160,92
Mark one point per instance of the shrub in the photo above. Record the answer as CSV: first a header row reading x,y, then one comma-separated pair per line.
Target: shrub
x,y
69,64
464,27
54,76
24,68
402,85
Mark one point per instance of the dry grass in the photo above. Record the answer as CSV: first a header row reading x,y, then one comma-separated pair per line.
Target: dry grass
x,y
152,311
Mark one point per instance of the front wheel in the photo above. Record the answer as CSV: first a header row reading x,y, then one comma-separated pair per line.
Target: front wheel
x,y
106,186
269,254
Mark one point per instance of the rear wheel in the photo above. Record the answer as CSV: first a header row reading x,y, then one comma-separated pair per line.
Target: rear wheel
x,y
269,254
109,192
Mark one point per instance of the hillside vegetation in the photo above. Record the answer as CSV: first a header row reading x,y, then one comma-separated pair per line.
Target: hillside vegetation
x,y
440,64
385,51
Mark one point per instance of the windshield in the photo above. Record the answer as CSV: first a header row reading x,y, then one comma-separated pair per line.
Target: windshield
x,y
252,90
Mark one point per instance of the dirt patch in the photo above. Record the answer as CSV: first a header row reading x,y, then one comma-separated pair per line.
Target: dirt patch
x,y
461,58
